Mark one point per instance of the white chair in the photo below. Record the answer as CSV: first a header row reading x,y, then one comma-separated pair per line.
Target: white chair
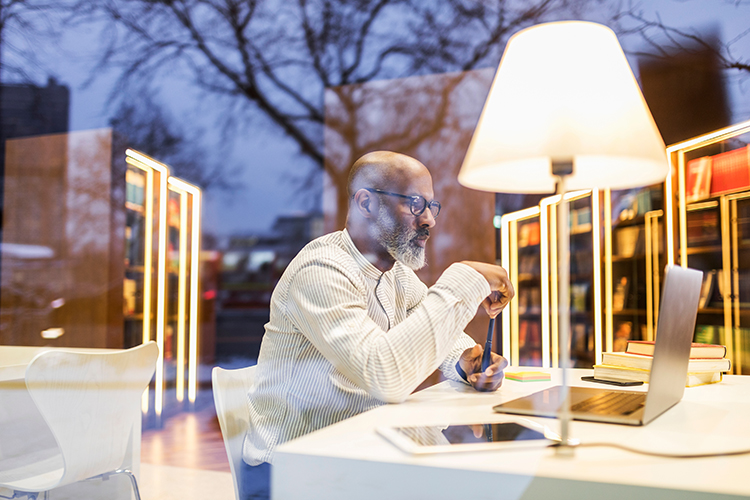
x,y
90,402
230,388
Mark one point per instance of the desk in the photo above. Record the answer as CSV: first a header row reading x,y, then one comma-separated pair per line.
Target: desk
x,y
22,427
349,460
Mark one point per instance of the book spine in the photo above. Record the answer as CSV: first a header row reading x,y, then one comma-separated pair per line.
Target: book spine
x,y
730,172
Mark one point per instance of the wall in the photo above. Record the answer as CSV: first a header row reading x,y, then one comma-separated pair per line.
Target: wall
x,y
56,240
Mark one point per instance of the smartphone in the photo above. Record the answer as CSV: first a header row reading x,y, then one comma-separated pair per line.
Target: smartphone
x,y
611,382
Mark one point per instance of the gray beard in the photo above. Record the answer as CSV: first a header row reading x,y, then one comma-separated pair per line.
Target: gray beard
x,y
398,240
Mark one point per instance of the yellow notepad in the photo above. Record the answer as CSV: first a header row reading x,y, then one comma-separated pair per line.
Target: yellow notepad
x,y
527,376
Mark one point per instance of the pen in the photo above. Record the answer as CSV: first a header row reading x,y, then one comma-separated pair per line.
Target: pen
x,y
487,355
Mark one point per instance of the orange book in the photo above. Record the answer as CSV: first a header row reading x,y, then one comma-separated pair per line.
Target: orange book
x,y
698,179
730,171
697,351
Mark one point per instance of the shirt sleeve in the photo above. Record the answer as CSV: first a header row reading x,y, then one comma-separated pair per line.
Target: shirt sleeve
x,y
448,366
328,304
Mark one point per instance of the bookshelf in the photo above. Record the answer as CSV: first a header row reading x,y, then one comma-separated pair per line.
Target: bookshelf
x,y
521,251
711,216
530,327
161,284
633,264
699,217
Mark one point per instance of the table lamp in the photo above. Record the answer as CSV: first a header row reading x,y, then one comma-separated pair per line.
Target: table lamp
x,y
564,113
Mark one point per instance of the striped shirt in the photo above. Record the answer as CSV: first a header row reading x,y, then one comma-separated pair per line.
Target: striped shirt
x,y
344,338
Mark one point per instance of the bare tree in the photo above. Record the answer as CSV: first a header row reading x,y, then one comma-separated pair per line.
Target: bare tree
x,y
276,57
143,124
21,22
663,40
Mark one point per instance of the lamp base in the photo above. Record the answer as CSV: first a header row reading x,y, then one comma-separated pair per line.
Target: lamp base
x,y
565,450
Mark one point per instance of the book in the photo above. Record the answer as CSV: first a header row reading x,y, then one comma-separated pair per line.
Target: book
x,y
578,296
703,228
730,171
528,234
629,360
698,179
707,289
624,374
528,376
646,347
620,295
629,240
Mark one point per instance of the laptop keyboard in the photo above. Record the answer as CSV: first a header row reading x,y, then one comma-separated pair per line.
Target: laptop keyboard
x,y
611,403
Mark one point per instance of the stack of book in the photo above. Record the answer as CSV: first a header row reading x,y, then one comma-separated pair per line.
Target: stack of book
x,y
706,366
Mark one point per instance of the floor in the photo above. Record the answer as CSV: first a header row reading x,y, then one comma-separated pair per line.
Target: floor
x,y
186,460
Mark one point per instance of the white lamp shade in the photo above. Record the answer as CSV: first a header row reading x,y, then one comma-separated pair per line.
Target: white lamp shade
x,y
564,92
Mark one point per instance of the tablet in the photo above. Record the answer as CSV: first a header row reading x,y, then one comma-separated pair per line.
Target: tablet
x,y
421,440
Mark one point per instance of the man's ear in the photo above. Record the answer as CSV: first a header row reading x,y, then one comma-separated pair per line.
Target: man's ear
x,y
366,204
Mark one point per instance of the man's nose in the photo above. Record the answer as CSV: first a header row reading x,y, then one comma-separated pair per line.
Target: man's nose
x,y
426,219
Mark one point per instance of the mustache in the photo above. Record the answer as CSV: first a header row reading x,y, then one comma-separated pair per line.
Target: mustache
x,y
422,231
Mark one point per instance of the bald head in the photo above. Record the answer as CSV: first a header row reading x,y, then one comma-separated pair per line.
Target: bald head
x,y
381,220
385,170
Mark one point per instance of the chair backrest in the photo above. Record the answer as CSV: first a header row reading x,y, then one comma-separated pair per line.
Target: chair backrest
x,y
230,388
90,402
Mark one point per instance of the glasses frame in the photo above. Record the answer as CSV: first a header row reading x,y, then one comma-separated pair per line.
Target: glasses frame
x,y
415,198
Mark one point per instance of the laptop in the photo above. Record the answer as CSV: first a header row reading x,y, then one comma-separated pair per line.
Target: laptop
x,y
674,335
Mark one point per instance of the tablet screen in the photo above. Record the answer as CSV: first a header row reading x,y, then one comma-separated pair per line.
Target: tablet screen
x,y
481,433
433,439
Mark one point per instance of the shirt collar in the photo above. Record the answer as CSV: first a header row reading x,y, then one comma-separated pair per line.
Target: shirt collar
x,y
367,267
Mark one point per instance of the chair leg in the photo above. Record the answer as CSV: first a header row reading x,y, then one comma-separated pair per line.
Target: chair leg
x,y
28,495
133,481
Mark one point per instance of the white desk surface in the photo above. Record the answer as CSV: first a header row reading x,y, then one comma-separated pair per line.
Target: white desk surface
x,y
15,359
349,460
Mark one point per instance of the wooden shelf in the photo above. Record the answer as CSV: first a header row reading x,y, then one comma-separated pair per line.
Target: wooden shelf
x,y
629,312
704,249
711,310
530,314
636,257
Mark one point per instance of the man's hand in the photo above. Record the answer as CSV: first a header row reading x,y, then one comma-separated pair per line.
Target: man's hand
x,y
502,288
489,380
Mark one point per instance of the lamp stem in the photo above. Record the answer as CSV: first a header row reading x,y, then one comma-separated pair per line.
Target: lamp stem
x,y
563,232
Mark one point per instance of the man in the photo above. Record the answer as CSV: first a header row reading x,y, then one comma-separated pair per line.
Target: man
x,y
352,327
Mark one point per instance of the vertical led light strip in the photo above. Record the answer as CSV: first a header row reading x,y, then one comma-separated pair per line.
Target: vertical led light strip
x,y
597,267
726,264
551,202
181,294
548,352
147,258
682,207
649,277
737,362
608,283
657,269
653,285
509,259
505,262
738,367
195,255
669,195
515,352
554,287
161,270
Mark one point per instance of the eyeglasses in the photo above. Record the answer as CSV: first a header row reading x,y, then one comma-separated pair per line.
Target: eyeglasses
x,y
417,204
